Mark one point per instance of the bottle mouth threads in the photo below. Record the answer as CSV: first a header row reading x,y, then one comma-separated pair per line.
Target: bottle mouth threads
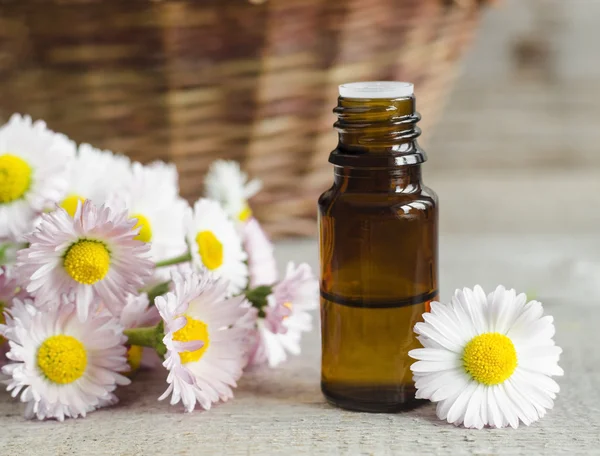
x,y
377,122
377,89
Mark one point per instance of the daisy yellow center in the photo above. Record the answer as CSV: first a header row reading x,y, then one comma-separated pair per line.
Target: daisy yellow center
x,y
490,358
87,261
193,330
62,359
134,357
69,204
210,249
245,213
145,234
15,178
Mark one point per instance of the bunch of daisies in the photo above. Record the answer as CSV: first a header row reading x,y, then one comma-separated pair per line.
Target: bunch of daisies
x,y
104,266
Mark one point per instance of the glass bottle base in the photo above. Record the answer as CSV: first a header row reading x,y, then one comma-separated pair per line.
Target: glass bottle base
x,y
372,399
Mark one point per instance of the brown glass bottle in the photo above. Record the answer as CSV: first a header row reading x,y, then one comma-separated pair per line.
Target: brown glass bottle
x,y
378,249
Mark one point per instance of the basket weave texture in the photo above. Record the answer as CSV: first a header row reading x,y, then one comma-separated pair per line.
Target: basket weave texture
x,y
192,81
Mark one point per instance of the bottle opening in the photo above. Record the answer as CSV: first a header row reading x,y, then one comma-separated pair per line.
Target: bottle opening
x,y
377,89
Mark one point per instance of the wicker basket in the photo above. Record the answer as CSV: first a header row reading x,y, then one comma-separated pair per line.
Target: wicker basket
x,y
191,81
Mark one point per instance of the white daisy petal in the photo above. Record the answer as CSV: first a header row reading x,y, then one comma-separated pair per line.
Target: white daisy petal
x,y
442,386
496,308
446,312
476,310
525,409
532,311
457,411
505,405
480,297
495,417
435,366
431,333
432,354
539,398
462,316
442,327
543,360
473,413
487,360
538,332
430,343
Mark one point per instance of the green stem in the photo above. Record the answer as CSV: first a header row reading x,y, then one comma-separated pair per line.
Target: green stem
x,y
158,290
144,337
258,298
3,250
171,261
151,337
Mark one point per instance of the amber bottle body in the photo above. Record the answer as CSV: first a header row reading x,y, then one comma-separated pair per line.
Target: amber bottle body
x,y
378,249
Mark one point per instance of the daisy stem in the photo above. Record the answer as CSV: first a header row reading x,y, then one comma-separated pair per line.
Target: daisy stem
x,y
144,337
171,261
158,290
258,298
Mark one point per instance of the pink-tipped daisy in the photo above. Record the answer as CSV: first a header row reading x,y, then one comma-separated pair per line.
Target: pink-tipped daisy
x,y
205,351
93,255
487,360
62,366
262,267
287,316
34,165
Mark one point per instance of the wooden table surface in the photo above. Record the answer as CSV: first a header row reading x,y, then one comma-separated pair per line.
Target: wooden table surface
x,y
283,412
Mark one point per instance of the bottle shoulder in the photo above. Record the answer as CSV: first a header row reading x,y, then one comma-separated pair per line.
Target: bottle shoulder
x,y
335,196
348,206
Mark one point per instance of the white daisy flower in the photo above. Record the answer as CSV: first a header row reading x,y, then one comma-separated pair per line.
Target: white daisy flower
x,y
205,351
226,183
152,197
34,165
262,267
286,316
95,174
215,244
487,360
94,255
138,313
61,366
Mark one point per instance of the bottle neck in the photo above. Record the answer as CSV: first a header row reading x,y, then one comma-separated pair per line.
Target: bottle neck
x,y
402,179
377,126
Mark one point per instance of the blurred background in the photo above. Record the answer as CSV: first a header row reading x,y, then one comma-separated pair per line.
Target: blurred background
x,y
519,138
509,92
255,81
